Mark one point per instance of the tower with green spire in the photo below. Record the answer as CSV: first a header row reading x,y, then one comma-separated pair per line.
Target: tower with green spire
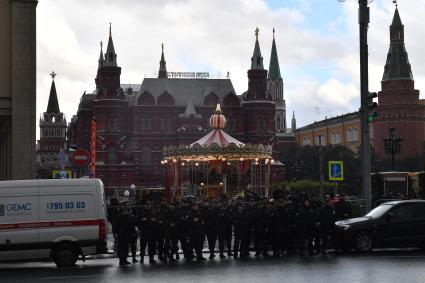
x,y
275,89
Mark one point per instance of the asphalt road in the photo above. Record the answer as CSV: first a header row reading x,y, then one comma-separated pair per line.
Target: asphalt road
x,y
381,266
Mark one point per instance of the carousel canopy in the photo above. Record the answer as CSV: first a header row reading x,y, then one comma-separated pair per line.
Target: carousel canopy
x,y
218,145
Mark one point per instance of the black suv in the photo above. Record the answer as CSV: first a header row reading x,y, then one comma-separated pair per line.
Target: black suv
x,y
392,224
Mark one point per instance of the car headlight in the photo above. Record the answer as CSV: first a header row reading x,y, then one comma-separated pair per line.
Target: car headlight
x,y
345,227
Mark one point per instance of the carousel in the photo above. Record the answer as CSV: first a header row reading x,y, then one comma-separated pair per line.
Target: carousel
x,y
216,164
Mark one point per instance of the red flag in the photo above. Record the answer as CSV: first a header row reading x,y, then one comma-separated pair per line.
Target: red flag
x,y
93,148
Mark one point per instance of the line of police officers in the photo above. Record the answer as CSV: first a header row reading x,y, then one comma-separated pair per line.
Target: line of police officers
x,y
286,226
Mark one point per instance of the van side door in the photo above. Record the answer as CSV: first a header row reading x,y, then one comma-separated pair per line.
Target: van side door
x,y
19,225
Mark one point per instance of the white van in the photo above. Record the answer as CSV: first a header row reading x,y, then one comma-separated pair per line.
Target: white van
x,y
60,219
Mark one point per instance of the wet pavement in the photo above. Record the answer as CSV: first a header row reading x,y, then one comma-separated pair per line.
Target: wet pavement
x,y
382,266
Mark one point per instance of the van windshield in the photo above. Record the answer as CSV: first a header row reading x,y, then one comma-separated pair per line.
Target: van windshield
x,y
379,211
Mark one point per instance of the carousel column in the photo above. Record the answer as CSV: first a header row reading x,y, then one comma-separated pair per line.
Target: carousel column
x,y
251,166
167,181
178,178
174,178
196,176
267,178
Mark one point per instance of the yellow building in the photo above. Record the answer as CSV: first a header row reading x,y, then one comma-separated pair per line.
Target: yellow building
x,y
339,130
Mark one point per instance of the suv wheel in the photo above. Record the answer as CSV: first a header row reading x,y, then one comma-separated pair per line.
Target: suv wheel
x,y
363,242
65,255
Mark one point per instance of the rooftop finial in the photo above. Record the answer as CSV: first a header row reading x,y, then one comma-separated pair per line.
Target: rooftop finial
x,y
396,4
218,108
110,29
53,74
273,32
101,45
162,47
256,33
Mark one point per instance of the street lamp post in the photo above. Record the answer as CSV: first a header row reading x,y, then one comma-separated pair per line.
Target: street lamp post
x,y
321,167
392,145
364,86
364,101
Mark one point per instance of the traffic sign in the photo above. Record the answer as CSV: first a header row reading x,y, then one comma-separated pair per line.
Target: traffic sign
x,y
81,157
336,170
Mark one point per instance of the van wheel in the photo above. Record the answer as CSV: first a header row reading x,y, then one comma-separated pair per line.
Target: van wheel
x,y
363,242
65,255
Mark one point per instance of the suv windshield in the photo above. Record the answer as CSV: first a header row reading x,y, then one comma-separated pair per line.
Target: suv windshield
x,y
379,211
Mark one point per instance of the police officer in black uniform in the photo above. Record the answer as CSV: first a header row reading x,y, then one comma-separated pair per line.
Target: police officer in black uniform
x,y
196,231
224,229
125,229
210,224
171,233
147,223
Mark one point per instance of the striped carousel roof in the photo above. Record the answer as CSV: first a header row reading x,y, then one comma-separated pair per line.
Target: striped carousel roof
x,y
219,137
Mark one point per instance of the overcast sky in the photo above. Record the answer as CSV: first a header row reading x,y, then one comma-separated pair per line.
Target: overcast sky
x,y
317,44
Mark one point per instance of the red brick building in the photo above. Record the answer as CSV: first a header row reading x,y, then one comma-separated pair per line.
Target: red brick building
x,y
134,124
399,105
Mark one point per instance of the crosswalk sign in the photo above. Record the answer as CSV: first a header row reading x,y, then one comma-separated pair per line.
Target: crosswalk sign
x,y
336,170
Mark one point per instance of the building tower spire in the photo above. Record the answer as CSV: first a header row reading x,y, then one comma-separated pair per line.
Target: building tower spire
x,y
257,59
101,60
274,70
53,105
110,55
162,65
275,89
293,122
397,66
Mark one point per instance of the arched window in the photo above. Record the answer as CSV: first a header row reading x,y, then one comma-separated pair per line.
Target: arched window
x,y
165,99
46,132
278,122
320,139
337,138
211,99
146,156
333,138
58,133
355,135
350,135
231,100
52,132
53,119
146,99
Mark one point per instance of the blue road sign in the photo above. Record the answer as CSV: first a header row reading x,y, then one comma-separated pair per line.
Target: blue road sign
x,y
336,170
